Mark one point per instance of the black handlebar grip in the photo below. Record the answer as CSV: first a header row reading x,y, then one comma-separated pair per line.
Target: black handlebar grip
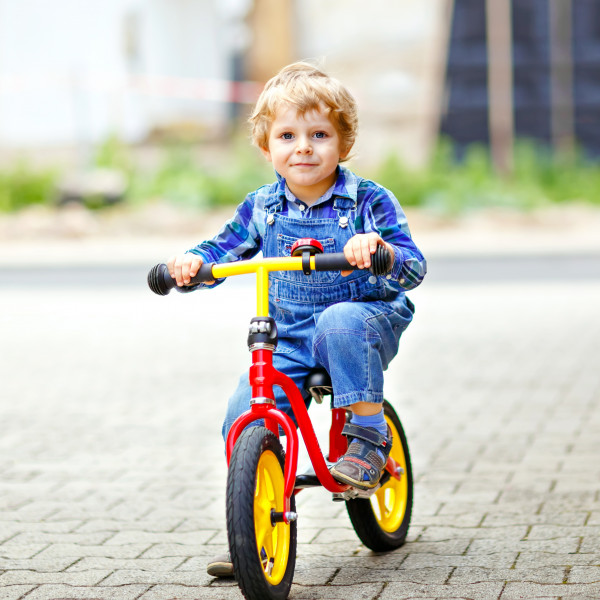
x,y
332,262
161,282
380,262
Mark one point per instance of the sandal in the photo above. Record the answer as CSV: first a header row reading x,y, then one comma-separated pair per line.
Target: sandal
x,y
362,465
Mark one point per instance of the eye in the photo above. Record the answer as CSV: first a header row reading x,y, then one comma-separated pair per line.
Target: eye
x,y
287,135
320,135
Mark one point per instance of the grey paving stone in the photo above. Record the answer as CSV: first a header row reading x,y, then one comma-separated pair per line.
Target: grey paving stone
x,y
77,551
548,532
494,560
82,578
114,564
179,592
14,551
66,592
14,592
349,575
306,575
37,563
564,519
558,546
148,525
173,577
474,591
580,574
527,560
518,591
533,575
365,591
179,550
434,534
193,538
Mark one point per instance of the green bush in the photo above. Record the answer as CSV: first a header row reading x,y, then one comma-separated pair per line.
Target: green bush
x,y
182,178
21,185
448,186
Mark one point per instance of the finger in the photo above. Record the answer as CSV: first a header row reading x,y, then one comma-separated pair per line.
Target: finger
x,y
195,266
364,258
177,272
171,266
349,253
185,270
374,241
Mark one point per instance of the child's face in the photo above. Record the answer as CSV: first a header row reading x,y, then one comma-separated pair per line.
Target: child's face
x,y
305,150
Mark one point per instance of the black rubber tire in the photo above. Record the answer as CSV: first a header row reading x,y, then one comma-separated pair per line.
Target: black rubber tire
x,y
241,487
361,512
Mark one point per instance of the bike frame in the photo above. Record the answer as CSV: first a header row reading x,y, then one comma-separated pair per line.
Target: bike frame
x,y
263,376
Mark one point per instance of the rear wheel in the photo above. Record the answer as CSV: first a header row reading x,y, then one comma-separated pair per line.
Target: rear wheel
x,y
263,552
381,521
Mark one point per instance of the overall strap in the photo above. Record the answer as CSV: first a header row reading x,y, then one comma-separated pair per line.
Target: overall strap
x,y
344,205
273,202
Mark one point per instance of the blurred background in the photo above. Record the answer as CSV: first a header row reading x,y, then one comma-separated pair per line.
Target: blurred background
x,y
129,107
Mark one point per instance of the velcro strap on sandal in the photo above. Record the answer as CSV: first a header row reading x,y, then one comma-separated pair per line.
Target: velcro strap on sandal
x,y
365,433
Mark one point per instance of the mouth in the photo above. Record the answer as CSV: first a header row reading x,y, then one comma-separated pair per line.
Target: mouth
x,y
304,165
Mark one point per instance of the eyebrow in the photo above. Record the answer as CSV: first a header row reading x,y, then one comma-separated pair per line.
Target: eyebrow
x,y
285,126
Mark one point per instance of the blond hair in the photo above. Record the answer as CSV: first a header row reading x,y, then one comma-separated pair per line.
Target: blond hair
x,y
306,88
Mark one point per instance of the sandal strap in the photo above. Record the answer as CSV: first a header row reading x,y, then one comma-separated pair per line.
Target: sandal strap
x,y
367,434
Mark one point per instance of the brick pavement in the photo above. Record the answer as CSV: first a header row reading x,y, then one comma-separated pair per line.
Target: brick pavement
x,y
112,473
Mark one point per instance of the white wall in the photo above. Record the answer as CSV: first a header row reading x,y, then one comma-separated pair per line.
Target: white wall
x,y
64,66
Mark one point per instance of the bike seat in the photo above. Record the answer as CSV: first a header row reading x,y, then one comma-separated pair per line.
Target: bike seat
x,y
318,384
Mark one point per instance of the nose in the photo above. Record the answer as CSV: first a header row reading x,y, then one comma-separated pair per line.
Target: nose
x,y
303,146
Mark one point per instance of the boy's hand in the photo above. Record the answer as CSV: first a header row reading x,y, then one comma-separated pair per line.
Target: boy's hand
x,y
359,249
183,267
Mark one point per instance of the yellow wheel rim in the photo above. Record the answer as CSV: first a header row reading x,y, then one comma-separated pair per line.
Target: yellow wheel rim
x,y
272,541
389,501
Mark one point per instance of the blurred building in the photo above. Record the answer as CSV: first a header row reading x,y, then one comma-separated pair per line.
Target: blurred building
x,y
73,72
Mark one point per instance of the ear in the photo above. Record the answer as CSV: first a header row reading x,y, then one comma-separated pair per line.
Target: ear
x,y
266,153
344,152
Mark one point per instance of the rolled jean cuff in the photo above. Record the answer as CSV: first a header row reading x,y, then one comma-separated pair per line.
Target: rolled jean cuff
x,y
343,400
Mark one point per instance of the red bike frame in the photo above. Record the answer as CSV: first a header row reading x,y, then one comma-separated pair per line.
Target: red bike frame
x,y
263,376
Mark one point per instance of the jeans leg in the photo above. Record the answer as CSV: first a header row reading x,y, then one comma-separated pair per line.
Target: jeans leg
x,y
356,341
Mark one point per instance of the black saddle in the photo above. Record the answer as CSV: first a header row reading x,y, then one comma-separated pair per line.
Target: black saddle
x,y
318,384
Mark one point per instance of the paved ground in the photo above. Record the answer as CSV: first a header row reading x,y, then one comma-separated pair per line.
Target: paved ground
x,y
112,473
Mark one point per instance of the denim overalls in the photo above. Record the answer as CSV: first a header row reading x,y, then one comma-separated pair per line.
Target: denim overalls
x,y
349,325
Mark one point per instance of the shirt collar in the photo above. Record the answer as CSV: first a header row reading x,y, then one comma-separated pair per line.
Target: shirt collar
x,y
345,186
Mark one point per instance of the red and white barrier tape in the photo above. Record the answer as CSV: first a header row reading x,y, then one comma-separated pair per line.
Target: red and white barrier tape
x,y
215,90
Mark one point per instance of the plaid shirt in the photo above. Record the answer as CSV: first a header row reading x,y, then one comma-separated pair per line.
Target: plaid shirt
x,y
378,211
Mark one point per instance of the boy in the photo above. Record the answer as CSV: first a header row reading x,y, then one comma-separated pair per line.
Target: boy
x,y
305,123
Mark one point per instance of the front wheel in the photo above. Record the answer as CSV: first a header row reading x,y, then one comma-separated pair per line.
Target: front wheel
x,y
263,552
381,521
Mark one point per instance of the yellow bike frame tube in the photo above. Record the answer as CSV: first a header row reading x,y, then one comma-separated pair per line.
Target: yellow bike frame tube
x,y
262,268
